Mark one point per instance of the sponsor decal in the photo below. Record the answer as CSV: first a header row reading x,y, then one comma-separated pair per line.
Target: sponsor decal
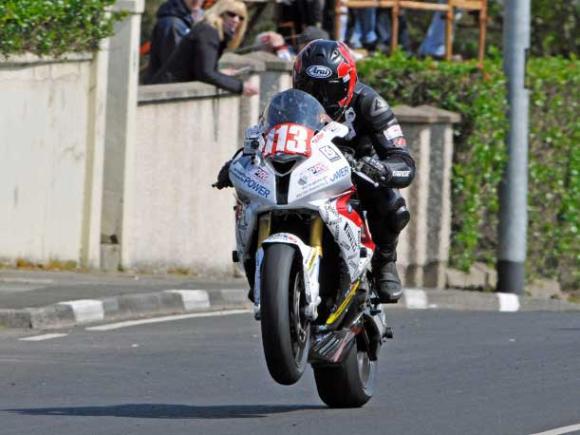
x,y
400,142
329,153
250,183
317,168
393,132
320,136
401,173
309,188
303,180
350,236
342,172
261,174
318,71
285,237
257,187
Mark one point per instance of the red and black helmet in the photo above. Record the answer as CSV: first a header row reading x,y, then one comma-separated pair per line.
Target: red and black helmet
x,y
326,70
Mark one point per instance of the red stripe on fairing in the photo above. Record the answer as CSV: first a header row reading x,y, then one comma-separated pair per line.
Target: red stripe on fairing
x,y
366,239
353,216
342,208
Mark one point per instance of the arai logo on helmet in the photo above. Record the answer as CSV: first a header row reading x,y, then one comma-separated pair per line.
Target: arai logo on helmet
x,y
319,71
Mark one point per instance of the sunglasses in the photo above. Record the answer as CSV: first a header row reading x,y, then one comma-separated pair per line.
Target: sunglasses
x,y
234,15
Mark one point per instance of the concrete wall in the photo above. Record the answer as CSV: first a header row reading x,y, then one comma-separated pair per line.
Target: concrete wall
x,y
173,218
51,146
424,245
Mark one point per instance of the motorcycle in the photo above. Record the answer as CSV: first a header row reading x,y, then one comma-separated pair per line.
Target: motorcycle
x,y
306,249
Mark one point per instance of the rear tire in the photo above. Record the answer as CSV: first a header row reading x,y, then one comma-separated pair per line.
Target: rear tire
x,y
349,385
285,330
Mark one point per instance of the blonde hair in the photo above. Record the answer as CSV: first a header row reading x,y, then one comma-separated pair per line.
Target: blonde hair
x,y
214,16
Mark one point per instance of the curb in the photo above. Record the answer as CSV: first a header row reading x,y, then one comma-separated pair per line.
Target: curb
x,y
68,314
479,301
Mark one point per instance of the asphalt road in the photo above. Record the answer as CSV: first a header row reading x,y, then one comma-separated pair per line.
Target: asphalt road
x,y
445,373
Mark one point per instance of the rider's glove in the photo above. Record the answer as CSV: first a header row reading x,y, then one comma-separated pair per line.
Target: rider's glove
x,y
375,170
223,178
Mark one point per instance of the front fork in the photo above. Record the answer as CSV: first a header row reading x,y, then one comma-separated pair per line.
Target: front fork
x,y
310,255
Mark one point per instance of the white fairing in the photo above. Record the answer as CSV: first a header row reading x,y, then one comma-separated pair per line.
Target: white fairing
x,y
315,184
348,237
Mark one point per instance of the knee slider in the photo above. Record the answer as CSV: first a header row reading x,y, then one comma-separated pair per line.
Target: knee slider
x,y
399,219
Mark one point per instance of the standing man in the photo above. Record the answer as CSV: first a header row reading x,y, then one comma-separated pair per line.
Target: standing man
x,y
174,21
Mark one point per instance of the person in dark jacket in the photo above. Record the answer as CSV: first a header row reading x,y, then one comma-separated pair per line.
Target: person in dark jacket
x,y
196,57
174,21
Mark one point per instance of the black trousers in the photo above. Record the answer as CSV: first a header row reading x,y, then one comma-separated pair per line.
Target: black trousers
x,y
386,211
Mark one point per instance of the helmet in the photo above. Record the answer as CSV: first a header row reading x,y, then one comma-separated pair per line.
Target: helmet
x,y
326,70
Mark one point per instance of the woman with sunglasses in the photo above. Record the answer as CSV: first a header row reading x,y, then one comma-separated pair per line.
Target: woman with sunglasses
x,y
196,57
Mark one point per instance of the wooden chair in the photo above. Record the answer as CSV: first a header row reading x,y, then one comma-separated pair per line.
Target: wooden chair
x,y
447,8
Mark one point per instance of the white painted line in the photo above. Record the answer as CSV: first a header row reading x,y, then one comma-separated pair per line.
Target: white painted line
x,y
26,281
192,299
508,302
129,323
42,337
560,430
416,299
86,310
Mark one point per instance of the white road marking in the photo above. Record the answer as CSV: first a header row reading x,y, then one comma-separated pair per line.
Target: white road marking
x,y
508,302
560,430
192,299
42,337
26,281
86,310
416,299
129,323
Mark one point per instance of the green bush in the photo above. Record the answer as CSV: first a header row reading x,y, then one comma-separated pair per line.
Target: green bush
x,y
53,27
480,152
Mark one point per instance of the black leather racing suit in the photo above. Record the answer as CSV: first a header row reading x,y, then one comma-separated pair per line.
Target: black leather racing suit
x,y
377,133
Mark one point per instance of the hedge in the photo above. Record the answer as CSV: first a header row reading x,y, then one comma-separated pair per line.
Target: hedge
x,y
480,152
53,27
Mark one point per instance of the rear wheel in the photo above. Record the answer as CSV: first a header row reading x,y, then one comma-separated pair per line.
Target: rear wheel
x,y
349,385
285,329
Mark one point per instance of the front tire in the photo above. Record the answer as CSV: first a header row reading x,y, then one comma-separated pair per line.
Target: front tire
x,y
285,330
349,385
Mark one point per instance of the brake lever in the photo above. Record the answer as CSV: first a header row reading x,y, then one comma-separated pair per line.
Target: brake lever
x,y
366,178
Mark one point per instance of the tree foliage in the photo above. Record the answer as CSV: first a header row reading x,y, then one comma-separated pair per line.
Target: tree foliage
x,y
480,152
53,27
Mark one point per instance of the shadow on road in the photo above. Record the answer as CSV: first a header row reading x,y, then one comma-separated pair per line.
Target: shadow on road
x,y
153,410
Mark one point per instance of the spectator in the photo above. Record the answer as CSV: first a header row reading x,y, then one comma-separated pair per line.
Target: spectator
x,y
275,43
434,43
384,31
174,21
364,34
196,57
300,13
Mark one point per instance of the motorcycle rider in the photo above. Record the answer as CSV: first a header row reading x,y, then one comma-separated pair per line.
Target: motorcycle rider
x,y
326,70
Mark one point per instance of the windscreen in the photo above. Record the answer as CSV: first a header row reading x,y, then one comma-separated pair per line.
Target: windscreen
x,y
294,107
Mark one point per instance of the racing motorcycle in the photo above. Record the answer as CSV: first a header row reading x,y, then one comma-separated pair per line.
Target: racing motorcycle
x,y
304,243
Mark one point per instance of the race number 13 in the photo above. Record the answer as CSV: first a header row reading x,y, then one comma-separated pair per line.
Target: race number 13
x,y
289,139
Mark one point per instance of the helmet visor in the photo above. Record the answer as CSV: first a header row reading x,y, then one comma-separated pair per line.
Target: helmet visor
x,y
328,92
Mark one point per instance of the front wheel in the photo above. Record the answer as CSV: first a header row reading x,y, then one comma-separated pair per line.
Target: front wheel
x,y
285,329
349,385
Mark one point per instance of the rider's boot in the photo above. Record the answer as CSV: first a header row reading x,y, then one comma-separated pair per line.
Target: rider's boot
x,y
387,281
